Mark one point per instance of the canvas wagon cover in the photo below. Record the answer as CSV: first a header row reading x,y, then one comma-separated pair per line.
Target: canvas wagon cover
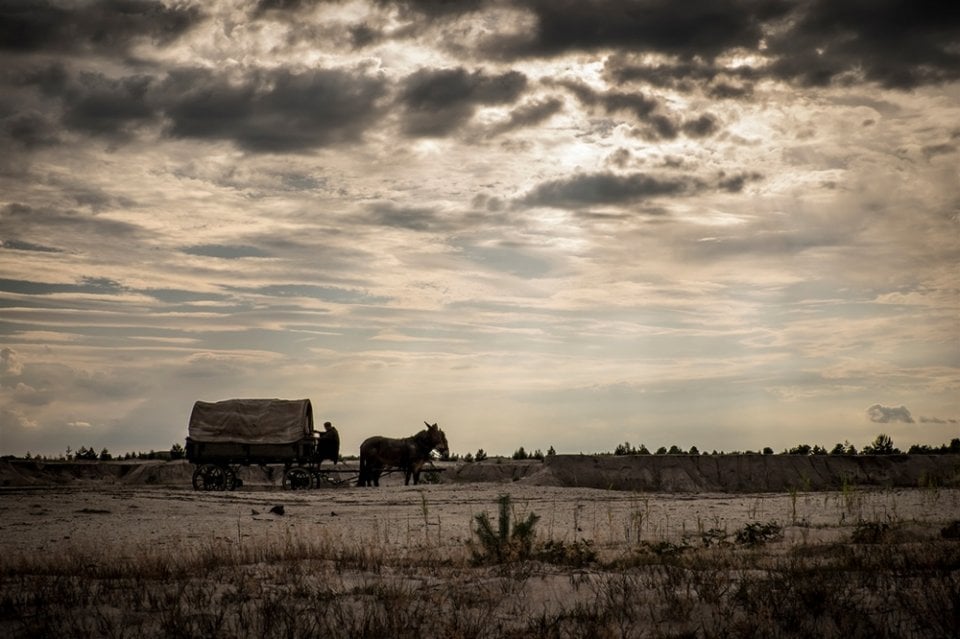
x,y
252,421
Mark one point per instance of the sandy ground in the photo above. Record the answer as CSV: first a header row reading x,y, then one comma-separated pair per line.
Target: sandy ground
x,y
114,520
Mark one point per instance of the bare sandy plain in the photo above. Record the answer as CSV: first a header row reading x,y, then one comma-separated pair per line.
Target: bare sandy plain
x,y
140,557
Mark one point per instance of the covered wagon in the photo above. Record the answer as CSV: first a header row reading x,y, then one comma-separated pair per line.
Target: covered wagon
x,y
224,435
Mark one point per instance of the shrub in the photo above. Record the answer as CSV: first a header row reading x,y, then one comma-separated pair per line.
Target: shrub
x,y
577,553
757,533
509,541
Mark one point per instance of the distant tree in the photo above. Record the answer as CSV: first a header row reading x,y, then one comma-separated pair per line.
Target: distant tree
x,y
177,451
481,455
882,445
87,454
520,453
551,452
537,454
625,449
105,455
468,458
643,450
661,451
694,450
675,450
838,449
69,453
818,450
801,449
767,450
954,447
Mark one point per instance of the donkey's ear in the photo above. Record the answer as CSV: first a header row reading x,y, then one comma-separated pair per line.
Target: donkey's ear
x,y
426,424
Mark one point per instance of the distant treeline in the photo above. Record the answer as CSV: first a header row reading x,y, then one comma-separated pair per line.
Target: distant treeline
x,y
882,445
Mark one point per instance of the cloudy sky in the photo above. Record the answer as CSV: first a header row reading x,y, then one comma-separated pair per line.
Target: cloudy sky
x,y
723,223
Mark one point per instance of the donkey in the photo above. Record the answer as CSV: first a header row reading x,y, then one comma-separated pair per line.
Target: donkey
x,y
407,453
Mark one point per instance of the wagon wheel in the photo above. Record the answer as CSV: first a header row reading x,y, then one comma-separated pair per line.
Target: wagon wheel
x,y
212,477
297,479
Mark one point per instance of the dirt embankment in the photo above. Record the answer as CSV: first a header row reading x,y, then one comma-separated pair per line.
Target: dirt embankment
x,y
647,473
747,473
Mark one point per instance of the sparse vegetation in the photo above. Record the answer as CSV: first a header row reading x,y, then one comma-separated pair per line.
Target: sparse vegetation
x,y
321,587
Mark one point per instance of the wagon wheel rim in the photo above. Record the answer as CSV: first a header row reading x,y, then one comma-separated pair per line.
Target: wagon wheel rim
x,y
298,479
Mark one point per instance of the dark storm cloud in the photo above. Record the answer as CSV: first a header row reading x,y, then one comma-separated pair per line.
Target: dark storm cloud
x,y
701,127
608,189
273,111
437,101
104,26
645,109
31,129
104,106
86,102
683,75
529,114
896,43
636,103
282,5
886,414
435,8
697,28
